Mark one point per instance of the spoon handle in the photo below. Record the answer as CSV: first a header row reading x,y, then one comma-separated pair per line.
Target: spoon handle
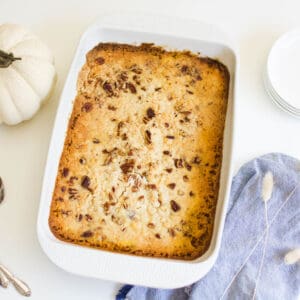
x,y
19,285
3,280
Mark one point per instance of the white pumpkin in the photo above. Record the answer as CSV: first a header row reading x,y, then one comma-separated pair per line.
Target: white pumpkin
x,y
27,74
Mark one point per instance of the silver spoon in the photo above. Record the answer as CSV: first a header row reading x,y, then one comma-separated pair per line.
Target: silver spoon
x,y
4,281
1,190
19,285
5,275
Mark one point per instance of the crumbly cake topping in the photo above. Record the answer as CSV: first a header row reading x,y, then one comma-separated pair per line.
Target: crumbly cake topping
x,y
140,168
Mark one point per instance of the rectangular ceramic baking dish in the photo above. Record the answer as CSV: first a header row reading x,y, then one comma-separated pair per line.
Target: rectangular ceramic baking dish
x,y
171,33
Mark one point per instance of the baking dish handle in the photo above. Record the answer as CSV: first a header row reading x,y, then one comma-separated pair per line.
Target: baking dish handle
x,y
166,25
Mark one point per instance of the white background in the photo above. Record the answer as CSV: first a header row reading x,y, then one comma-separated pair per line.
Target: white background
x,y
260,126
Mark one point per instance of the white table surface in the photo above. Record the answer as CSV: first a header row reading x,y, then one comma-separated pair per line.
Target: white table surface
x,y
260,126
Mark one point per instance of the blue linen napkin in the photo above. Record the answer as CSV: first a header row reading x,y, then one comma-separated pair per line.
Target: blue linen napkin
x,y
244,228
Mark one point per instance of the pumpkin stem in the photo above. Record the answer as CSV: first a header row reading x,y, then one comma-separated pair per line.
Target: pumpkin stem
x,y
6,59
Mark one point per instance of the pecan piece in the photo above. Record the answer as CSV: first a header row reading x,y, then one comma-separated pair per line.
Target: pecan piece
x,y
151,186
171,186
72,179
134,189
106,206
73,194
65,172
131,87
196,242
123,76
87,107
108,160
120,125
148,136
82,161
184,69
111,107
100,60
124,137
196,160
72,191
188,166
136,79
145,120
128,166
171,231
66,212
105,151
74,121
88,217
85,182
107,88
96,141
178,162
87,234
150,225
185,178
136,69
185,112
199,77
169,170
150,113
79,217
174,205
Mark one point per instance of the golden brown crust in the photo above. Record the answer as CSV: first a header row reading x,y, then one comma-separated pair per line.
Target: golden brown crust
x,y
140,168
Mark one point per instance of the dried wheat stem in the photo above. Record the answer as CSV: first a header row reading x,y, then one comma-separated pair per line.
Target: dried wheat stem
x,y
266,194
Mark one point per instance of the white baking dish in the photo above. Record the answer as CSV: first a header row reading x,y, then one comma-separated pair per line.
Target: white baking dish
x,y
172,33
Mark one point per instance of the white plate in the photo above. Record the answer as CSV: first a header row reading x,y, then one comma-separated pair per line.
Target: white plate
x,y
155,272
283,67
282,106
278,100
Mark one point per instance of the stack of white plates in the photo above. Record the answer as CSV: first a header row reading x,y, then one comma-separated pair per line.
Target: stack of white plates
x,y
282,74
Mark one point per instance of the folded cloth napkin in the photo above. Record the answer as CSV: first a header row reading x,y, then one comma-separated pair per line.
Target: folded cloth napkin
x,y
251,262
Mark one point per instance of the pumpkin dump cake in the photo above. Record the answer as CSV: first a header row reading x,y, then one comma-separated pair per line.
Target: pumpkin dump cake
x,y
140,168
